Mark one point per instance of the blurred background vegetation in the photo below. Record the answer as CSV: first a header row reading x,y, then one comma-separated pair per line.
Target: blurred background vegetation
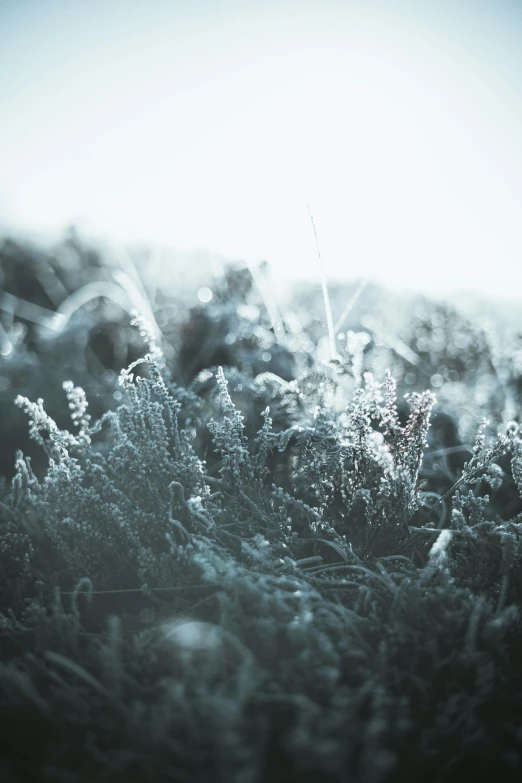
x,y
65,315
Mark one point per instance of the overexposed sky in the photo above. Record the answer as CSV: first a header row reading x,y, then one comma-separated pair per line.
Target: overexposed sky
x,y
211,124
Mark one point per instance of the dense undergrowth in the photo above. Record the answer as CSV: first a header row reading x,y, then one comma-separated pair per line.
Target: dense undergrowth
x,y
246,566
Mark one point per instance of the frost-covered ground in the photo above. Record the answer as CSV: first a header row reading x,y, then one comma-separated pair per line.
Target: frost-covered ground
x,y
235,548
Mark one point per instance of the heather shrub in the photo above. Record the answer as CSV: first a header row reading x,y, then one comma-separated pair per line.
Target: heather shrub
x,y
236,574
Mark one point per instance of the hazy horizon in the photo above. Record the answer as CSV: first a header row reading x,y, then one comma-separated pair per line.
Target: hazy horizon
x,y
212,125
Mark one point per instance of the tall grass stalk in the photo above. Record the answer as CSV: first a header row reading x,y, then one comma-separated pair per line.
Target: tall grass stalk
x,y
326,297
349,306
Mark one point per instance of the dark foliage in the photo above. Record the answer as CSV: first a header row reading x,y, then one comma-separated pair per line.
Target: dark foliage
x,y
247,565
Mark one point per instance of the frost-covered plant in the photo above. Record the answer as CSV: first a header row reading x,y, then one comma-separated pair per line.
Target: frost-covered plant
x,y
273,596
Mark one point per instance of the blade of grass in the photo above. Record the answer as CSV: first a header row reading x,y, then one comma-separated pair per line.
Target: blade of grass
x,y
347,310
326,297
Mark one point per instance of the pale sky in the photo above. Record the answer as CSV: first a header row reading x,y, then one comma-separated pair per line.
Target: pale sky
x,y
211,124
